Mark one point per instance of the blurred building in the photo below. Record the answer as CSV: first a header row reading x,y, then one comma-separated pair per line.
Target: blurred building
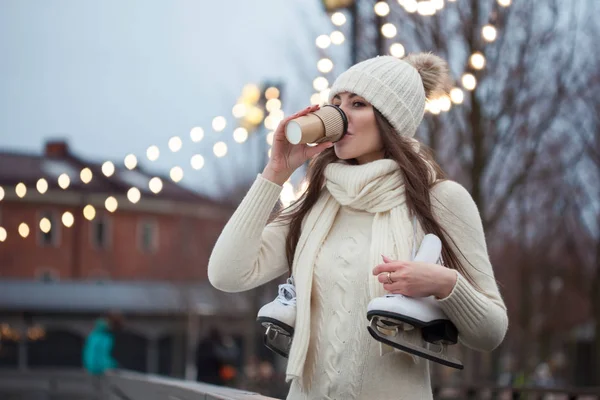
x,y
65,259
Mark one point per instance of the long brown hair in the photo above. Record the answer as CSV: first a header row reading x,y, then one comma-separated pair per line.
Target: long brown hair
x,y
414,167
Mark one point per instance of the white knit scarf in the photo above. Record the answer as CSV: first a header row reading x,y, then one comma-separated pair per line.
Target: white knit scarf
x,y
376,187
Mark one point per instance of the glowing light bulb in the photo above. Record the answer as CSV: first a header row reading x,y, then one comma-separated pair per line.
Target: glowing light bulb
x,y
152,153
21,189
42,185
155,184
477,60
196,134
111,204
130,161
68,219
469,82
325,65
23,229
323,41
175,144
338,19
389,30
197,161
489,33
397,50
86,175
89,212
220,149
457,95
134,195
176,174
219,123
108,168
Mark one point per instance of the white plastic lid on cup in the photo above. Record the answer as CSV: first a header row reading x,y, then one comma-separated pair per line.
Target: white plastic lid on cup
x,y
293,132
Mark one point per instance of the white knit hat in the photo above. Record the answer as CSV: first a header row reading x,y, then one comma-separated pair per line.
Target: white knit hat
x,y
397,88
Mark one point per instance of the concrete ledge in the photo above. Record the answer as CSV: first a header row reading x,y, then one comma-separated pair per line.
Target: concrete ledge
x,y
127,385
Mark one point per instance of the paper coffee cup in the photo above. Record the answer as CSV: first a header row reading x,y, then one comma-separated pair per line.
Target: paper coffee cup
x,y
328,124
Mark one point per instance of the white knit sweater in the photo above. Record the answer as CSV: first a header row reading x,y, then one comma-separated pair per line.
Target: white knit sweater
x,y
343,361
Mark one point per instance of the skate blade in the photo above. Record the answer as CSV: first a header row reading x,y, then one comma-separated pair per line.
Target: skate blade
x,y
279,343
413,349
276,325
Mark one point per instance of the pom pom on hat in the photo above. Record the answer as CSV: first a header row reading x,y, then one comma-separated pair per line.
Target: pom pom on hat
x,y
397,88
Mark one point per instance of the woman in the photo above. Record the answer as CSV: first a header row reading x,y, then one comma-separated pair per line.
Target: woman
x,y
352,226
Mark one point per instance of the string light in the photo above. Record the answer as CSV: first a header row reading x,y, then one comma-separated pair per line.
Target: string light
x,y
152,153
64,181
397,50
323,41
134,195
111,204
21,189
219,123
477,60
240,135
382,8
176,174
23,229
1,193
426,8
389,30
337,37
272,93
86,175
320,83
220,149
411,6
489,33
196,134
457,95
325,65
42,185
108,169
273,104
45,225
175,144
197,160
3,234
89,212
338,19
469,82
67,219
445,103
155,184
130,161
504,3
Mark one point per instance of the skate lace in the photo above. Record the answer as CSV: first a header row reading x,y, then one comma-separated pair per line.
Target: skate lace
x,y
287,293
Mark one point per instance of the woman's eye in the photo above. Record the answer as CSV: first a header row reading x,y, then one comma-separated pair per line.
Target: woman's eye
x,y
358,104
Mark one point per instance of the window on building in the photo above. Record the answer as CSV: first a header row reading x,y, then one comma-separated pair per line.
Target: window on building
x,y
148,236
47,274
101,232
48,229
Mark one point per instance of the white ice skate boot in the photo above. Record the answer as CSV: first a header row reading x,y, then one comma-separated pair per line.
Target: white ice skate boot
x,y
279,317
393,314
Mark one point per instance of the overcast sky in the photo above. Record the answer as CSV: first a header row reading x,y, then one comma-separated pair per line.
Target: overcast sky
x,y
114,76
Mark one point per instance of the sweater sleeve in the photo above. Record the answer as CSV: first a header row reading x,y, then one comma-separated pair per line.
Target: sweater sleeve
x,y
480,316
249,253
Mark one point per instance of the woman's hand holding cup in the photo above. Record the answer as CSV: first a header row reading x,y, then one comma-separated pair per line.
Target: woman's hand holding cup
x,y
286,157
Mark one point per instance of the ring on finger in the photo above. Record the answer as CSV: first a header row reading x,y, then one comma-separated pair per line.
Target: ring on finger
x,y
389,278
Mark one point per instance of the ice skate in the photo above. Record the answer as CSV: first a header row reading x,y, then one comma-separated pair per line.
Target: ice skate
x,y
279,317
391,315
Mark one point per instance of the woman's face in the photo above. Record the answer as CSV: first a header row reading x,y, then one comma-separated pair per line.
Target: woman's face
x,y
362,140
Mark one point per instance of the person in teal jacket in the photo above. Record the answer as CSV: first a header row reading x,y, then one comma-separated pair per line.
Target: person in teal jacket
x,y
98,347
